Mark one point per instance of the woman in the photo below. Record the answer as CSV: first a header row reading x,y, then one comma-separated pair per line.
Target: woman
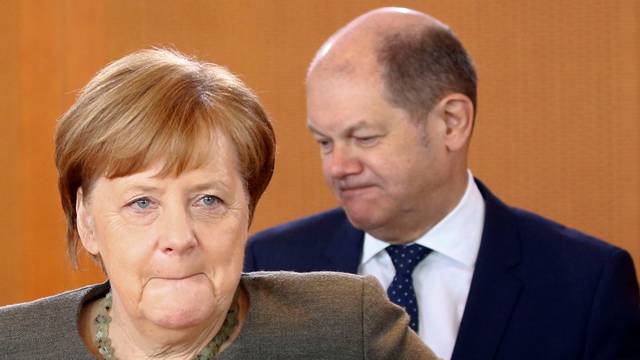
x,y
161,162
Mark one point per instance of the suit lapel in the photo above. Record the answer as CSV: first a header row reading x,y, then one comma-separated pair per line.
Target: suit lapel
x,y
494,288
344,246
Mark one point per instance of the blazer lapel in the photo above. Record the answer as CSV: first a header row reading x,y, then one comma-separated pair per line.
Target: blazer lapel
x,y
344,246
494,288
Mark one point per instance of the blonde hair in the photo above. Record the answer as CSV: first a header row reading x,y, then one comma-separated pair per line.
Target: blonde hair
x,y
158,104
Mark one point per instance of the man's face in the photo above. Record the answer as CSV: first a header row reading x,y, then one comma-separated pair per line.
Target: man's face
x,y
386,169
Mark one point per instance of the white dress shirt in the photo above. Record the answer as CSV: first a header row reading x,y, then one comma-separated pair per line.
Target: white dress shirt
x,y
442,280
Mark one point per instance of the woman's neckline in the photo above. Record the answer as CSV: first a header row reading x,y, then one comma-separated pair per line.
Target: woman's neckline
x,y
88,307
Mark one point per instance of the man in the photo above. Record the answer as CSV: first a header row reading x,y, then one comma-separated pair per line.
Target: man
x,y
391,102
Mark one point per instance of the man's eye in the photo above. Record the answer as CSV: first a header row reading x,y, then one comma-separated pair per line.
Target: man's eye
x,y
367,140
325,145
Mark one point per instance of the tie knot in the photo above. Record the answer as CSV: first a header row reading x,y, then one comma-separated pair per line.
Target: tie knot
x,y
406,257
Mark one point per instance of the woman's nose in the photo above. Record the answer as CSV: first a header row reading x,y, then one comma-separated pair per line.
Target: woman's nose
x,y
179,236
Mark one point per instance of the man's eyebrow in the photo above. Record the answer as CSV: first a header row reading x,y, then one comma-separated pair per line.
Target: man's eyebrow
x,y
313,129
358,125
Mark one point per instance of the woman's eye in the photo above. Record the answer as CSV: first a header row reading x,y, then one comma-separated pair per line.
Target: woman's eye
x,y
209,200
142,203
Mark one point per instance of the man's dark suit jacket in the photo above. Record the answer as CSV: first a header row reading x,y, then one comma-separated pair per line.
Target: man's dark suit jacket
x,y
539,290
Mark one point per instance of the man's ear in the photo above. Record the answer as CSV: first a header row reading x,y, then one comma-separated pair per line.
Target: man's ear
x,y
457,114
85,224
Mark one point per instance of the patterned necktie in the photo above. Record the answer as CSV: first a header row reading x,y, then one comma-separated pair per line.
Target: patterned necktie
x,y
405,258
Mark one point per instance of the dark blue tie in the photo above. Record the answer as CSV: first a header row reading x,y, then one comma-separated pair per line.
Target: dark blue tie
x,y
405,258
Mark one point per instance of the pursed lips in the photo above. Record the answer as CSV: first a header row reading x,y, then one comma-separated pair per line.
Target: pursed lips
x,y
350,191
175,278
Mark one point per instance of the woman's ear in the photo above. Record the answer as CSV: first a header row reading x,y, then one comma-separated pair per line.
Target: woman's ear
x,y
85,224
458,116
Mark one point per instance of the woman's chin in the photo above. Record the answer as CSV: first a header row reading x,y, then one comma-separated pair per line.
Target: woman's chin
x,y
178,303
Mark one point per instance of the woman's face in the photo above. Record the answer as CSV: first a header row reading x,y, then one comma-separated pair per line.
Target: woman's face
x,y
172,247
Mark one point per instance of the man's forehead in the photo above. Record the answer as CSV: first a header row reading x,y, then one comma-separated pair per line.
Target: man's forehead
x,y
343,66
336,74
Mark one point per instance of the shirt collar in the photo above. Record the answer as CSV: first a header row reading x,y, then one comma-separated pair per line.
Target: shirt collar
x,y
456,236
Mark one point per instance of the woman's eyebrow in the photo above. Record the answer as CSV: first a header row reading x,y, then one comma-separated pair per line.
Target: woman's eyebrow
x,y
210,185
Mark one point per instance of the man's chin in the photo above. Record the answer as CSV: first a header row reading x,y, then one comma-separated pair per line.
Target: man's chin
x,y
362,218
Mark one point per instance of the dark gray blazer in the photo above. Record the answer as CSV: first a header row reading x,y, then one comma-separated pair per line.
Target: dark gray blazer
x,y
291,316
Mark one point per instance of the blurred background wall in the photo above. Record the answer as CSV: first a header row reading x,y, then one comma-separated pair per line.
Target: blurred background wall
x,y
558,127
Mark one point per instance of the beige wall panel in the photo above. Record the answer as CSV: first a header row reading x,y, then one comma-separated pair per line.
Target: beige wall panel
x,y
557,131
11,225
45,267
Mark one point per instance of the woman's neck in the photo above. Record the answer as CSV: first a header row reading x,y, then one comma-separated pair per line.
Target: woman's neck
x,y
141,340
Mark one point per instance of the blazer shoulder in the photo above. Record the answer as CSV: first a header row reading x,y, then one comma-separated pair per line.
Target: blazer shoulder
x,y
537,230
320,313
306,226
551,234
44,328
324,241
555,253
545,249
307,285
33,310
341,294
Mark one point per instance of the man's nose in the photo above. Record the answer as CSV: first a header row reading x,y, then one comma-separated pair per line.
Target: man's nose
x,y
343,162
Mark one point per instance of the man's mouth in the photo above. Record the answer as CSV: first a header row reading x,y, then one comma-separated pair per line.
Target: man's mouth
x,y
349,191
